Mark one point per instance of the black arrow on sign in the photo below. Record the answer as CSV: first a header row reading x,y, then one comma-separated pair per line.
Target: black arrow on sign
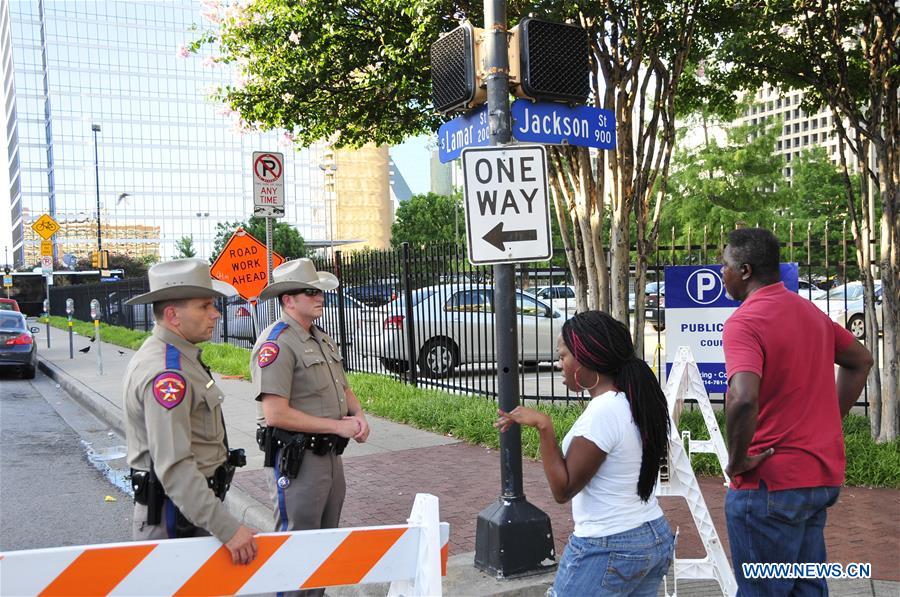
x,y
496,236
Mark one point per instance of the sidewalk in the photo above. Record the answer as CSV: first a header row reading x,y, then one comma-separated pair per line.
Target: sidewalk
x,y
384,474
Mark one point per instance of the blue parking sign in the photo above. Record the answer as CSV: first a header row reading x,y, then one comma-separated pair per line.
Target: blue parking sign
x,y
696,307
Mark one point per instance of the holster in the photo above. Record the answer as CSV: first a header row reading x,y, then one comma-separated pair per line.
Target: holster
x,y
266,444
148,491
293,446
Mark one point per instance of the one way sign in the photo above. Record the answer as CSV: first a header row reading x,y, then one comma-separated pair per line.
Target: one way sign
x,y
507,204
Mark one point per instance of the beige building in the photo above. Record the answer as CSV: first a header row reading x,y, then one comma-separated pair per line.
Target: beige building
x,y
79,238
800,131
358,197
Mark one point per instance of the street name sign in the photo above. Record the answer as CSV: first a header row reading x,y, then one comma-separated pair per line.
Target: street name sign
x,y
268,184
7,281
507,204
558,124
242,263
468,130
696,310
45,226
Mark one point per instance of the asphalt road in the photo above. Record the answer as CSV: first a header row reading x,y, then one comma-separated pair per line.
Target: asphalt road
x,y
51,494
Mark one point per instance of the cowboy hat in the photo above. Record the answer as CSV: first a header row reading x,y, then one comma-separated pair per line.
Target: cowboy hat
x,y
181,279
297,275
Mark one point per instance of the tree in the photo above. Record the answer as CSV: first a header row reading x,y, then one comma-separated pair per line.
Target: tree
x,y
358,71
286,241
843,54
131,267
185,247
427,219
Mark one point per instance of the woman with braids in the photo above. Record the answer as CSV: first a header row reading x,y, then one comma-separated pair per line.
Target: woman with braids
x,y
622,543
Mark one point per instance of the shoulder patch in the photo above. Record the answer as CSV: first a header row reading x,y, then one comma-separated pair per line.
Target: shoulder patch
x,y
267,354
277,330
169,389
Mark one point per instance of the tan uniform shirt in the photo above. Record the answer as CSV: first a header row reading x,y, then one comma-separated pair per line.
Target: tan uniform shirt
x,y
304,367
173,416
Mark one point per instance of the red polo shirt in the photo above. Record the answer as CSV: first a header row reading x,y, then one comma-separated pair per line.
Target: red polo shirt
x,y
791,345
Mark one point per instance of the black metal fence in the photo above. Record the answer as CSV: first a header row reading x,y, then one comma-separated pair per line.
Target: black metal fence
x,y
425,315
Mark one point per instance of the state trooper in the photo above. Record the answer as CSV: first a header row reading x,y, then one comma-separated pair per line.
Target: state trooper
x,y
308,412
181,466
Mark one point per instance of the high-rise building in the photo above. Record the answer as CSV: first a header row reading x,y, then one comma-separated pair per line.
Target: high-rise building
x,y
800,131
166,157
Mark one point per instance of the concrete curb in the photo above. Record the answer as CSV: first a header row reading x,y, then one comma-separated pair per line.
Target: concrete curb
x,y
244,507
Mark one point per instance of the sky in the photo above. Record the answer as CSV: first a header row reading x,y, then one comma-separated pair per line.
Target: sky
x,y
413,159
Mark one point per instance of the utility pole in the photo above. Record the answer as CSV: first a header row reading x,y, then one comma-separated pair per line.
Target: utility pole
x,y
513,537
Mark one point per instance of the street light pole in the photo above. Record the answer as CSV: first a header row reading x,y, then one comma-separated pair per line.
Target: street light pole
x,y
96,129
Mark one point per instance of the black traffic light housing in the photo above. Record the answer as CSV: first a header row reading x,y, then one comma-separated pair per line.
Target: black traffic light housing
x,y
456,82
553,62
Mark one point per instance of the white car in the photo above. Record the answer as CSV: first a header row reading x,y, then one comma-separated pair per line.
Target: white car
x,y
844,304
454,325
560,296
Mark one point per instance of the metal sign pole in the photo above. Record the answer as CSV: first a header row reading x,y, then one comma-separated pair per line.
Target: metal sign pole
x,y
269,240
70,308
47,309
95,315
512,536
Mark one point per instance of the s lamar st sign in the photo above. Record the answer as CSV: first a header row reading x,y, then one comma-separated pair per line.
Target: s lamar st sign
x,y
696,310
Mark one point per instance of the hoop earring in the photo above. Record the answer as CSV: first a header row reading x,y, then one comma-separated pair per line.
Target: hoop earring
x,y
596,383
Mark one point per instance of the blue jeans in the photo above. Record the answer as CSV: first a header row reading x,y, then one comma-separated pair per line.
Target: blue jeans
x,y
632,562
784,526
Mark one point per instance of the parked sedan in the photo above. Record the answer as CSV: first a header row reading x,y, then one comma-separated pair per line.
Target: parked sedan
x,y
454,325
18,350
560,296
7,304
845,304
655,305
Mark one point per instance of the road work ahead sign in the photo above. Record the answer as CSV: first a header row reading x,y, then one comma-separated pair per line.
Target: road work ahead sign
x,y
242,263
268,184
506,200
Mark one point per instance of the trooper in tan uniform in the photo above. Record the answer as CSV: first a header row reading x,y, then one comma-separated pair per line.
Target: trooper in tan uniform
x,y
177,446
308,407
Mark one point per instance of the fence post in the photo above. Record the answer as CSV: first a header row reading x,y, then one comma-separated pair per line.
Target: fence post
x,y
342,318
408,319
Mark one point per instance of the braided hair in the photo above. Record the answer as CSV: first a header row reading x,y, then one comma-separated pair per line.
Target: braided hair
x,y
603,344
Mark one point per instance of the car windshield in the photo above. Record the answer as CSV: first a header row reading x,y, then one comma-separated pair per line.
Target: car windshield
x,y
852,292
654,287
12,321
4,306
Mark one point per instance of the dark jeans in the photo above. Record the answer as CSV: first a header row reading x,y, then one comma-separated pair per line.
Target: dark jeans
x,y
778,526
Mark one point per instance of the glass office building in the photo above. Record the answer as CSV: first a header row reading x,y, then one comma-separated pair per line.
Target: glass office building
x,y
170,164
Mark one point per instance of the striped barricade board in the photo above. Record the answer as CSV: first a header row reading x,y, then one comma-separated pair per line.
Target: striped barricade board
x,y
203,566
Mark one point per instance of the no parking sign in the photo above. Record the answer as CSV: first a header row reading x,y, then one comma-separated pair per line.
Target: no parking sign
x,y
696,310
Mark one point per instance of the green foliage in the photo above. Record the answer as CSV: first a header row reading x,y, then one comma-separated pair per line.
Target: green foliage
x,y
429,219
286,241
113,334
226,359
185,247
132,267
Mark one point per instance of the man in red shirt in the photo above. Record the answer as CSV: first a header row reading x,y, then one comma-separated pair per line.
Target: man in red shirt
x,y
784,411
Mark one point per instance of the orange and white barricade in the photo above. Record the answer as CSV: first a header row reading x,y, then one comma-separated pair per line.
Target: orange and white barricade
x,y
412,557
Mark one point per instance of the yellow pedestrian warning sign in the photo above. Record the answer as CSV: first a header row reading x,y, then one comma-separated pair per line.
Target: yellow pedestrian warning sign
x,y
45,226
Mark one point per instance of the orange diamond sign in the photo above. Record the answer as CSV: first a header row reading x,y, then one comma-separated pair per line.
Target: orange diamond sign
x,y
45,226
242,263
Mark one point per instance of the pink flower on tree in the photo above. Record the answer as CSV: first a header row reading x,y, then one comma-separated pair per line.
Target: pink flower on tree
x,y
182,51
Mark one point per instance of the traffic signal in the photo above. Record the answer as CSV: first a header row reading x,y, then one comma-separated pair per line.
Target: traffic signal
x,y
100,259
457,70
547,62
553,62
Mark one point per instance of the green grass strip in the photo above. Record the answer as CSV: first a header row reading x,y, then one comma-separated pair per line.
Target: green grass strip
x,y
470,418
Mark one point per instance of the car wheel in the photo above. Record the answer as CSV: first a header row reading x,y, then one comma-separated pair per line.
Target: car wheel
x,y
395,365
28,373
438,358
857,326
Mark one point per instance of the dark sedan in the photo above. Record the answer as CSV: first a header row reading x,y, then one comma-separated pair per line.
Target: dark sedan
x,y
17,346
